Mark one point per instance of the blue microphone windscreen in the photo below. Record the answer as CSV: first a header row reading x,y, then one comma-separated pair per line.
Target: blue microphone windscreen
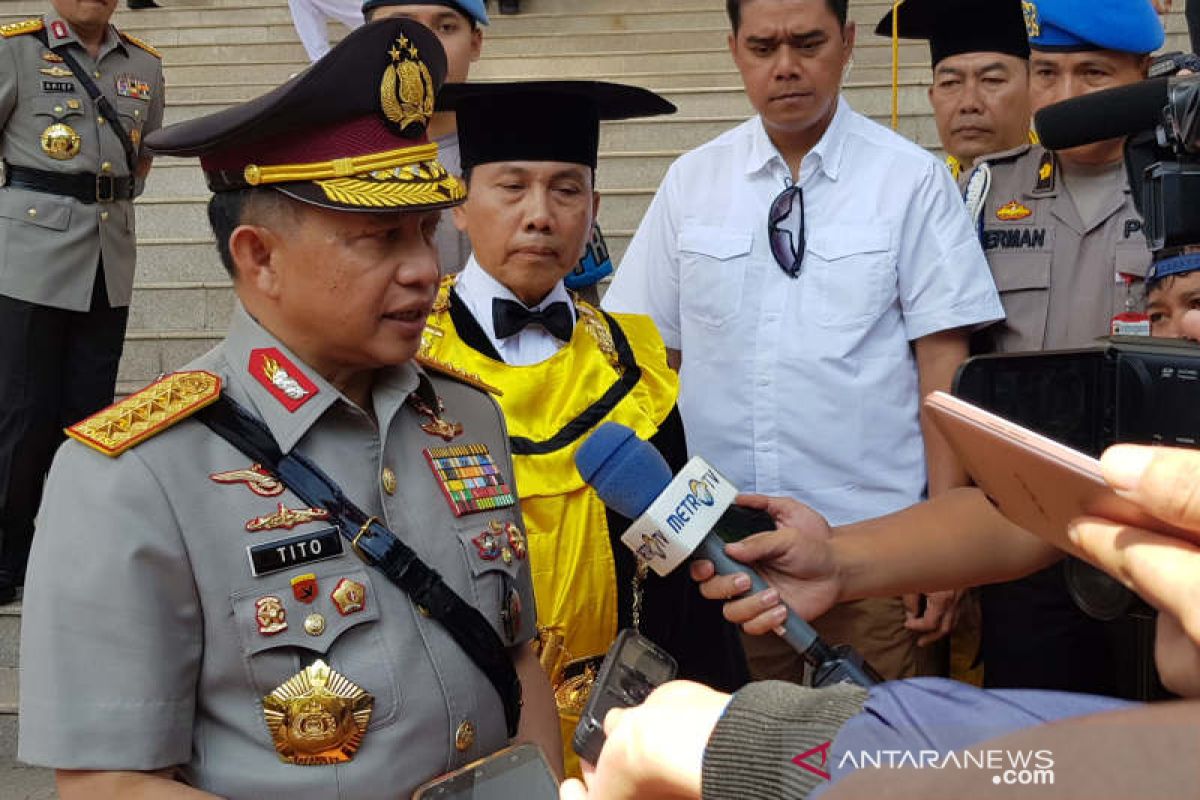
x,y
626,472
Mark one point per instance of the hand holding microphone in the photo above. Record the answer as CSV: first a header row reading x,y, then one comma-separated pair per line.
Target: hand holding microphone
x,y
691,513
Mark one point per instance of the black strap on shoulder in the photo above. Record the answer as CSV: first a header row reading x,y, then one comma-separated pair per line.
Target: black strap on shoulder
x,y
587,419
377,546
102,105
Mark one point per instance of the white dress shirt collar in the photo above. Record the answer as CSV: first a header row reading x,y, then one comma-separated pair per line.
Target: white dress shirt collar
x,y
477,288
827,153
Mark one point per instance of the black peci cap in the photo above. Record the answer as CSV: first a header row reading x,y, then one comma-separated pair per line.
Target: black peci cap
x,y
541,120
348,133
954,27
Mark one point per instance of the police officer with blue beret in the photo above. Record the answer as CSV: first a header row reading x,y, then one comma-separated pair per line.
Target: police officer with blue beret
x,y
1063,239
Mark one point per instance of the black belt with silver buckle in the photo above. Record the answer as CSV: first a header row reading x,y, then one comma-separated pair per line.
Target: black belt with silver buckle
x,y
85,187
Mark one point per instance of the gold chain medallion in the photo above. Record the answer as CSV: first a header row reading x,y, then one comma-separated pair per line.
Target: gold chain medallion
x,y
317,717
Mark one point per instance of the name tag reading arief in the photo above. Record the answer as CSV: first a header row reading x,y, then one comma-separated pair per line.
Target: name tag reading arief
x,y
284,554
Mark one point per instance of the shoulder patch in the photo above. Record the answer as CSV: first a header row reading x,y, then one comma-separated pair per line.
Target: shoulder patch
x,y
21,28
136,42
460,375
147,412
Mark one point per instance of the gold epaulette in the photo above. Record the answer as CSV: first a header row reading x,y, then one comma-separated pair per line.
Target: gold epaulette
x,y
136,42
460,375
22,27
147,412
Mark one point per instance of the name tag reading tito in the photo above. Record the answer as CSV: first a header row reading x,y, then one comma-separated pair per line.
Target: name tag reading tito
x,y
284,554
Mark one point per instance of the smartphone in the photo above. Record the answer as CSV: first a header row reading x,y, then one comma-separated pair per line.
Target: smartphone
x,y
1034,481
632,669
517,771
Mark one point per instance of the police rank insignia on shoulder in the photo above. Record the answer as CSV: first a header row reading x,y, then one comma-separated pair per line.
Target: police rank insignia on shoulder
x,y
150,411
136,42
469,478
461,375
317,717
21,28
1045,173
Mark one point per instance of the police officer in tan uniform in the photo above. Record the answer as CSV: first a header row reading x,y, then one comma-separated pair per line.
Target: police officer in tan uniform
x,y
1064,242
72,167
197,623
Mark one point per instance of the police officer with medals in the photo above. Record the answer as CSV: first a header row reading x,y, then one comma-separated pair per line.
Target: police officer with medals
x,y
1063,239
566,367
76,98
297,568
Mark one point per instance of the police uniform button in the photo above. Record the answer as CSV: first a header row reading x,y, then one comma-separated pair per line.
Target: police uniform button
x,y
464,737
314,624
106,166
58,109
100,120
96,74
33,212
388,478
103,215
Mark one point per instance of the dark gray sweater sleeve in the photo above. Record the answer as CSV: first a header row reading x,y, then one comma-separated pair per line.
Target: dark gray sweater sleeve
x,y
766,725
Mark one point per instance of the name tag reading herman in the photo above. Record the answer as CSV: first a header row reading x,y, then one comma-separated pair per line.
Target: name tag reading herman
x,y
284,554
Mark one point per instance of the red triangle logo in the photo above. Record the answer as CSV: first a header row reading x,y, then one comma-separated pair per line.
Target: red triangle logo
x,y
801,760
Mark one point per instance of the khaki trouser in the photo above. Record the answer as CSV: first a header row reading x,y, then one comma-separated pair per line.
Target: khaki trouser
x,y
874,627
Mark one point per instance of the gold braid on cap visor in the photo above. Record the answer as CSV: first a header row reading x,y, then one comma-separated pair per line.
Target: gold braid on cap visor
x,y
409,176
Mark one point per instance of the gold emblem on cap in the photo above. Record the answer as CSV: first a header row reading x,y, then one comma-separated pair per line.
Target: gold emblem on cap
x,y
464,736
406,91
317,717
1033,25
61,142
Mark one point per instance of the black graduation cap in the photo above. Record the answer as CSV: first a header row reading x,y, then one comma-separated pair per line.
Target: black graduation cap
x,y
348,133
541,120
954,27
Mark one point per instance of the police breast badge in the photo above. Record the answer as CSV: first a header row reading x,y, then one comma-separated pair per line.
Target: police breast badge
x,y
317,717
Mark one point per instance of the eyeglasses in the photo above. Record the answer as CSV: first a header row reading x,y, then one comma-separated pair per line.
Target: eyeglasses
x,y
788,251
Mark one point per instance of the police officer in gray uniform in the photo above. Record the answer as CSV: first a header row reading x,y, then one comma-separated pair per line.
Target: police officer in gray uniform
x,y
72,167
1064,242
193,619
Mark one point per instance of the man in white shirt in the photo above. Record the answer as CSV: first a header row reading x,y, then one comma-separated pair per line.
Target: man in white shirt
x,y
814,274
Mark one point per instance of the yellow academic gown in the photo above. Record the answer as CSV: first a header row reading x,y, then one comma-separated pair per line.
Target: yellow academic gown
x,y
574,577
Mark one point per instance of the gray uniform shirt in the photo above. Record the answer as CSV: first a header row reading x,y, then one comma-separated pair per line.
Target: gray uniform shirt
x,y
141,647
50,245
453,246
1059,279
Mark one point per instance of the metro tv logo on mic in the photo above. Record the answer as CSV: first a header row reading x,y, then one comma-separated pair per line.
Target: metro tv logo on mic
x,y
676,522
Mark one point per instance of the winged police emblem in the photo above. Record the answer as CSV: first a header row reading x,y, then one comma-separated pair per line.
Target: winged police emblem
x,y
406,91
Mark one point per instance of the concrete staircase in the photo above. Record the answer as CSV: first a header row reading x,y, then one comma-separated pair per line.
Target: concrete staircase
x,y
220,52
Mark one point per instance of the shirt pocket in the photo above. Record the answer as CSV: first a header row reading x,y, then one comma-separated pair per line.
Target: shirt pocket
x,y
1021,272
58,107
497,563
712,271
39,209
850,267
132,113
348,638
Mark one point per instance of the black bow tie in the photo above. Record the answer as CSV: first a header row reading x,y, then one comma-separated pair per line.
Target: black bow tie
x,y
510,317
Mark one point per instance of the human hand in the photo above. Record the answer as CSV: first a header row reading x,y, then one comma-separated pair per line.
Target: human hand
x,y
938,618
1162,6
655,750
796,560
1162,567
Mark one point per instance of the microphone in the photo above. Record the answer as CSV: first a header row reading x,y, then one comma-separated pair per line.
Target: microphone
x,y
1103,115
693,513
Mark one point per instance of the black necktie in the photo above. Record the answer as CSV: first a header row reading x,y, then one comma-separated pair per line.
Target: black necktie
x,y
510,317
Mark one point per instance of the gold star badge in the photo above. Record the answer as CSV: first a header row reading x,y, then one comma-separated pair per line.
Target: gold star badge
x,y
317,716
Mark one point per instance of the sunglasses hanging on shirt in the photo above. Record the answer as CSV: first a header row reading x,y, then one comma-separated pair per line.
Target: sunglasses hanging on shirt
x,y
785,229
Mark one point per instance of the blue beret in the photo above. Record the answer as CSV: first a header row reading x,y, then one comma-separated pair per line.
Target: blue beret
x,y
1129,26
471,9
1176,265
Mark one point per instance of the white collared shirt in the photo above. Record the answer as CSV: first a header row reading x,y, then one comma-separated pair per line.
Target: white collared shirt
x,y
533,344
807,387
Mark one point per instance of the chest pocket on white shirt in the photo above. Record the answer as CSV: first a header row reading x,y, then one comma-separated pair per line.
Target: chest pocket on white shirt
x,y
849,267
712,270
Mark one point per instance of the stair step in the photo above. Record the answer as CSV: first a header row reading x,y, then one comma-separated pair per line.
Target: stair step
x,y
10,634
10,690
148,354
